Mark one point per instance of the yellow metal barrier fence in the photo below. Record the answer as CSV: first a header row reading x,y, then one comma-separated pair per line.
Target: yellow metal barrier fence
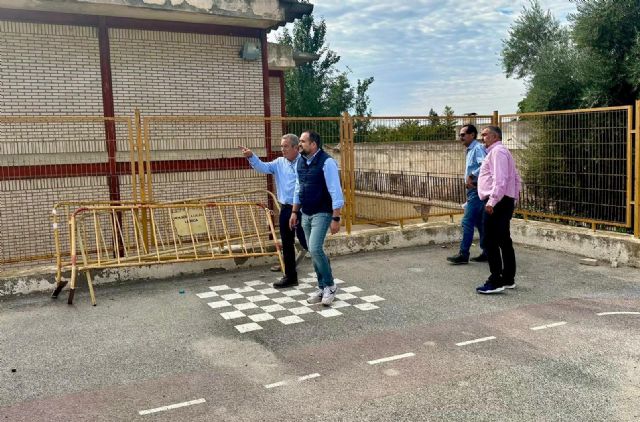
x,y
112,236
576,165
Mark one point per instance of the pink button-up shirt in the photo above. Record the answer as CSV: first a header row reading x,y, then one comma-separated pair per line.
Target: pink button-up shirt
x,y
498,175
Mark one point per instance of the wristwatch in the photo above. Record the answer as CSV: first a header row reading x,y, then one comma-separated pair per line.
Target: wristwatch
x,y
336,219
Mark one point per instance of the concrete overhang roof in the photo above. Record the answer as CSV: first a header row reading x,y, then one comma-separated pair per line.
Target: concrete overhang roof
x,y
262,14
283,57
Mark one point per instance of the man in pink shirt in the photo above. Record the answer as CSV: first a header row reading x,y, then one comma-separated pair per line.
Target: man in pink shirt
x,y
498,187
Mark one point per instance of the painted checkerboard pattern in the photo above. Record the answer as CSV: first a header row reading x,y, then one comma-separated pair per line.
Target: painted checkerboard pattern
x,y
255,304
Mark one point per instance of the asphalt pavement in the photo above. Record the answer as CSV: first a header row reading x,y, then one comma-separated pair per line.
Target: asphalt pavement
x,y
408,339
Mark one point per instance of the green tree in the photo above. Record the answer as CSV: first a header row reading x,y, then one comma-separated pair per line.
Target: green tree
x,y
593,62
607,36
318,88
540,51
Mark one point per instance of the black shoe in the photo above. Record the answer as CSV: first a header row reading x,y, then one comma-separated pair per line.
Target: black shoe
x,y
489,288
480,258
458,259
285,282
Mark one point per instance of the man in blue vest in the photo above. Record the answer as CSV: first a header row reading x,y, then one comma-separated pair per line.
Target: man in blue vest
x,y
319,196
284,170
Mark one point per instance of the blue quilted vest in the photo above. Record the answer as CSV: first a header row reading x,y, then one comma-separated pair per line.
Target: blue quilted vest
x,y
314,195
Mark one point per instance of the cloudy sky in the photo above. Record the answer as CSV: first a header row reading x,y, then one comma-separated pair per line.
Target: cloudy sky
x,y
429,53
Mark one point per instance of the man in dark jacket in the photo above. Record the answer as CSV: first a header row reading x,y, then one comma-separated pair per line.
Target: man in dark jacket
x,y
319,196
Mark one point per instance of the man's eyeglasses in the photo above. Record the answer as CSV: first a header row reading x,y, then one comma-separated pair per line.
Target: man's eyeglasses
x,y
462,135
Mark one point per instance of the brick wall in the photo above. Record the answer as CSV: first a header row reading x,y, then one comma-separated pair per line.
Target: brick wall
x,y
175,73
55,70
49,69
276,111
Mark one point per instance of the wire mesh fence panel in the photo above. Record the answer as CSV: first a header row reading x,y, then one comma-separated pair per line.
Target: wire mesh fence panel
x,y
48,159
200,156
409,167
575,165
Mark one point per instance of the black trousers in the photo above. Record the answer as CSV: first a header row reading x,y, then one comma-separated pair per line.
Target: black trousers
x,y
498,244
288,237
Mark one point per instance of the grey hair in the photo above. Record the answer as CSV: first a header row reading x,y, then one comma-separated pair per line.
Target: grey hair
x,y
496,130
293,139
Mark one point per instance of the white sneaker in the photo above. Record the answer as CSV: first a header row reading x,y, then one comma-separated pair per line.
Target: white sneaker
x,y
316,296
329,294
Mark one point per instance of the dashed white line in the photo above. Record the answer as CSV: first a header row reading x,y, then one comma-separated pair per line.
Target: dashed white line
x,y
276,384
542,327
391,358
478,340
171,407
618,313
308,377
300,379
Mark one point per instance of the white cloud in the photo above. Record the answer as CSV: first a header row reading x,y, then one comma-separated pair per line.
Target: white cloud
x,y
429,53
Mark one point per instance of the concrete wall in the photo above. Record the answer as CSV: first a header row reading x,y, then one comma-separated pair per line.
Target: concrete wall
x,y
606,247
438,158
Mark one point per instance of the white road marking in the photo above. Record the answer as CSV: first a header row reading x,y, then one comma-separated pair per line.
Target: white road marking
x,y
340,304
618,313
245,328
372,298
478,340
232,315
328,313
301,310
291,319
542,327
261,317
207,294
245,306
391,358
219,304
276,384
308,377
366,306
300,379
172,406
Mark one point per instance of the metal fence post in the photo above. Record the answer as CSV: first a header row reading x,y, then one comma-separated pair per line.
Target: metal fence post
x,y
346,151
636,184
495,119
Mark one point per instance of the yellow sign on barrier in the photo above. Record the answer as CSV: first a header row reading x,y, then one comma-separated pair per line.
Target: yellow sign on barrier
x,y
193,224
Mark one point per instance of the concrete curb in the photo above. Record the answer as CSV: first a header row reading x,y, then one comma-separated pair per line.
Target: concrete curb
x,y
613,248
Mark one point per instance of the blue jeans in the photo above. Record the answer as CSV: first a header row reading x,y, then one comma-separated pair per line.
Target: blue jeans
x,y
315,230
472,218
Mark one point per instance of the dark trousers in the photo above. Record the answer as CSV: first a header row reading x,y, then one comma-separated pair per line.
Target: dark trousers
x,y
288,237
498,244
